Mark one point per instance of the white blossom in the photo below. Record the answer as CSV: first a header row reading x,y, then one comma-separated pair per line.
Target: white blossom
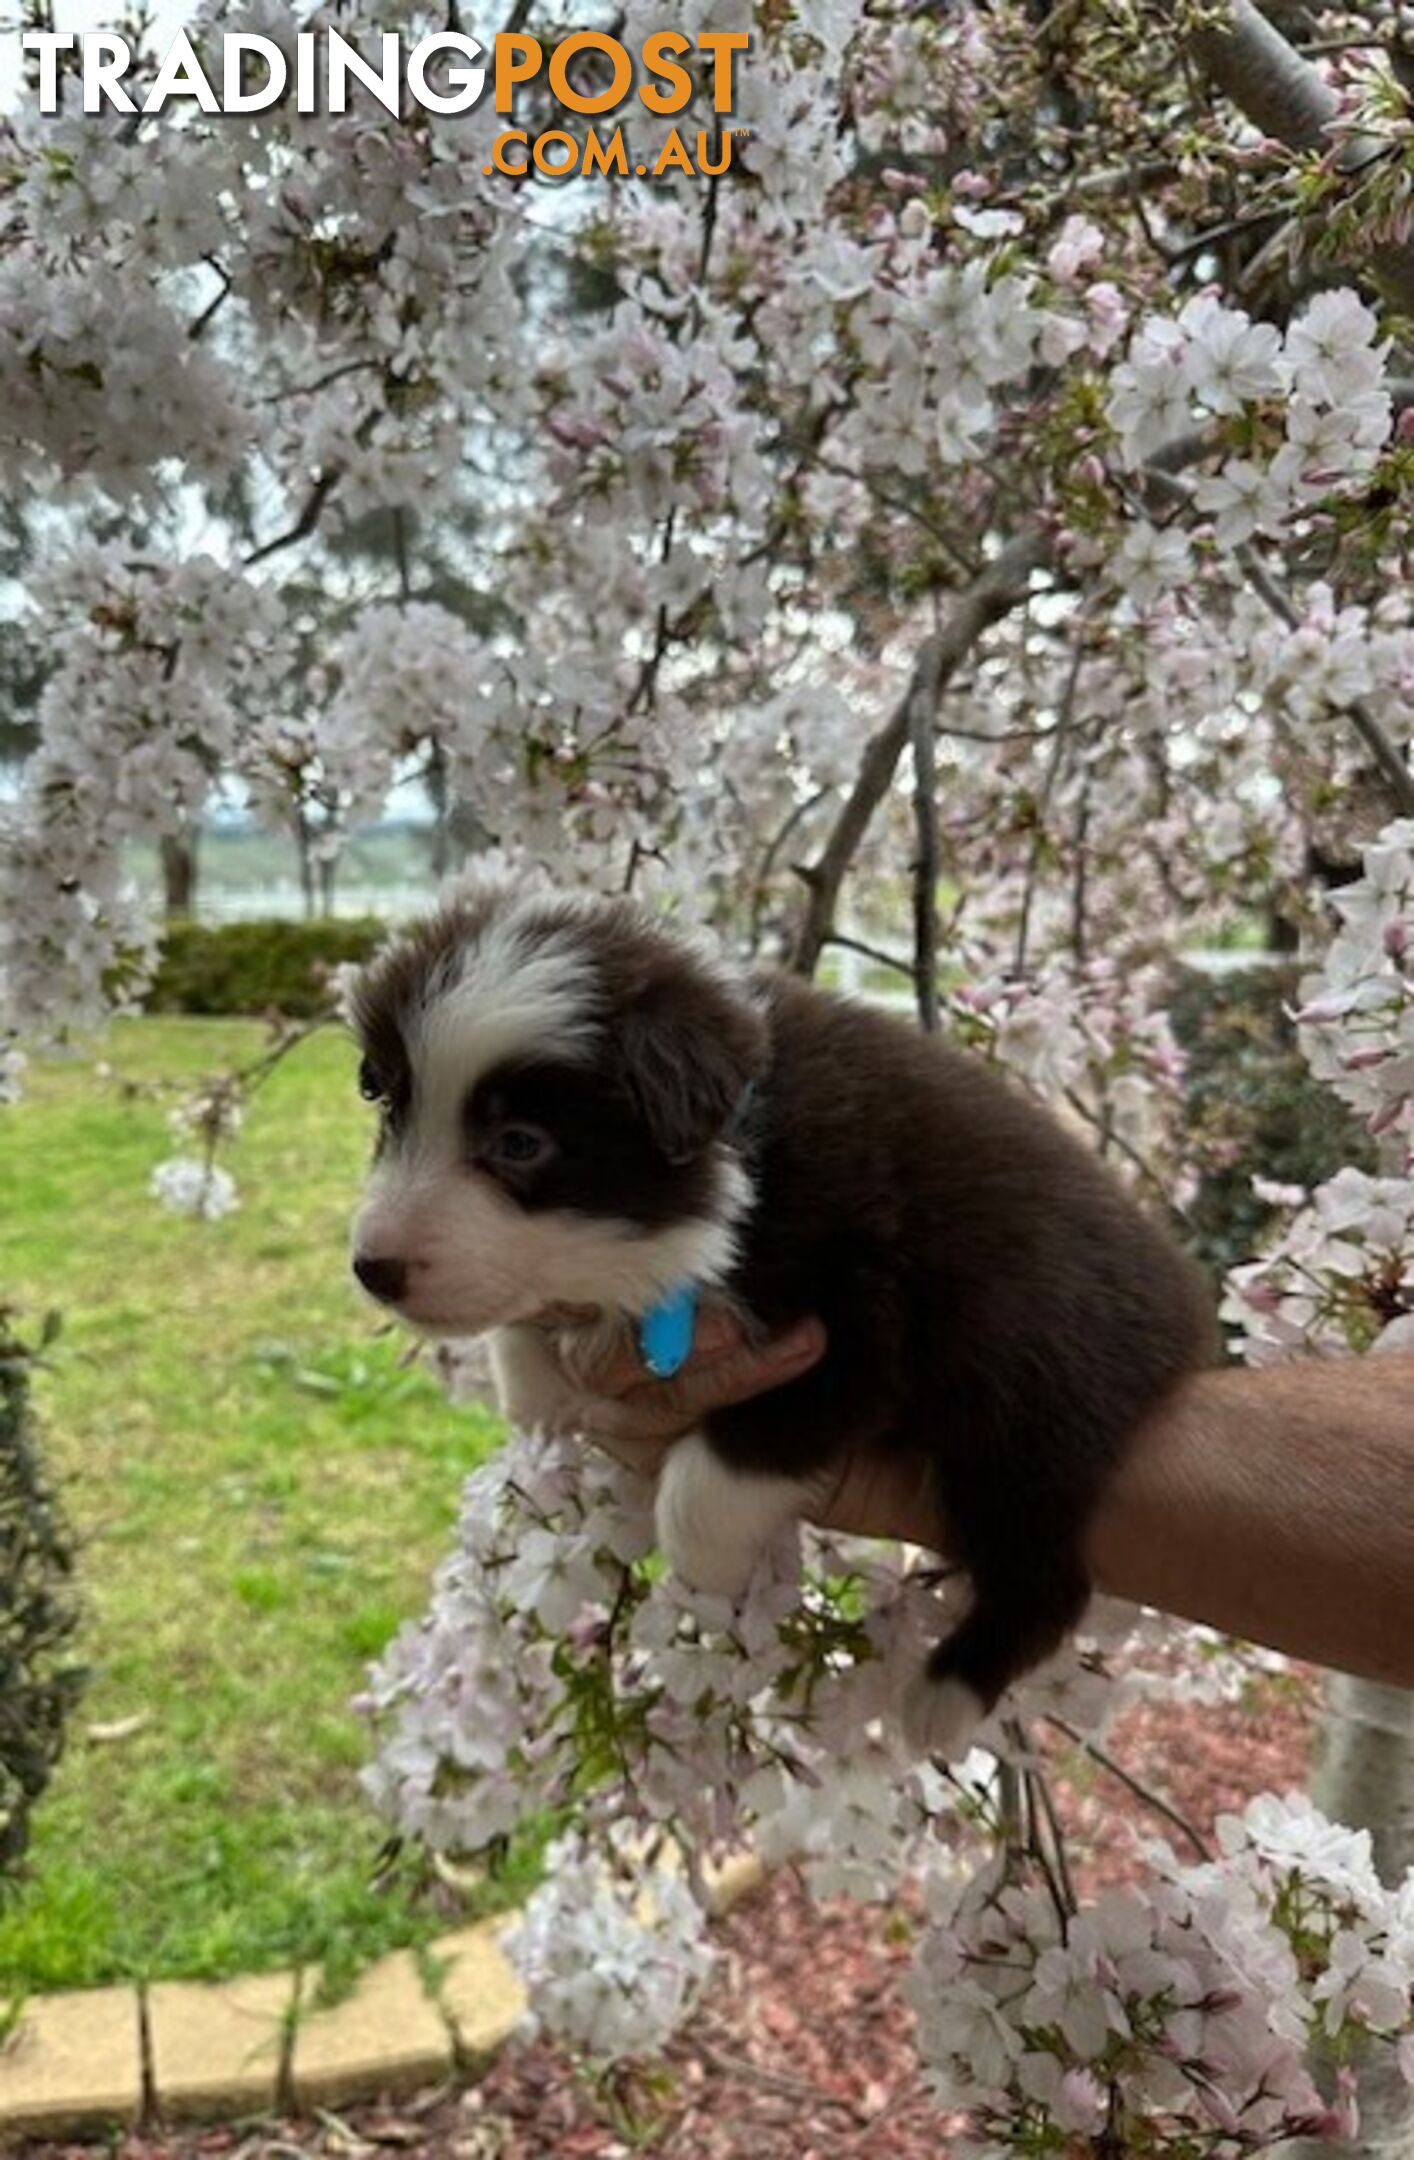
x,y
612,1959
1331,347
1150,559
1230,360
191,1187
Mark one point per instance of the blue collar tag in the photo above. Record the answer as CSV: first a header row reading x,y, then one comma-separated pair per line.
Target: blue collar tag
x,y
666,1330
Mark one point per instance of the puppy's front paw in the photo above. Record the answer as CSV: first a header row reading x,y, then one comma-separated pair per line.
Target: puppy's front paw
x,y
940,1717
532,1392
703,1531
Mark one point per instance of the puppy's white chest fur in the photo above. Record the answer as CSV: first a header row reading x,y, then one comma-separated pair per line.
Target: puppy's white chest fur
x,y
532,1388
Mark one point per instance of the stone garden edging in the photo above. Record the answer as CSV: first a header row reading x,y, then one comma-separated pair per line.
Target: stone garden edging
x,y
177,2050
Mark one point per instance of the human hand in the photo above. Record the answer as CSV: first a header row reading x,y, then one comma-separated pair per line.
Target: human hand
x,y
637,1419
1257,1501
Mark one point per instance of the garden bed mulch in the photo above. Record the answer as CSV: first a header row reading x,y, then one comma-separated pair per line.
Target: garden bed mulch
x,y
803,2047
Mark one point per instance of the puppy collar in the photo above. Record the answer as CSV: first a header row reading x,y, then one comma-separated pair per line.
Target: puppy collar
x,y
666,1331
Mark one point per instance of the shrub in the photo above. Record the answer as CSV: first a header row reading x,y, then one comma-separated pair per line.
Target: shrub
x,y
257,967
38,1612
1254,1109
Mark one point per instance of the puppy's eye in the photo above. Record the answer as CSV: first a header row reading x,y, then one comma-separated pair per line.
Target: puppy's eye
x,y
520,1147
370,1082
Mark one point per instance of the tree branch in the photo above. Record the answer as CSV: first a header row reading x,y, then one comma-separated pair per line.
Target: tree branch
x,y
925,864
1288,98
871,952
1392,763
1054,762
1000,588
197,328
1251,62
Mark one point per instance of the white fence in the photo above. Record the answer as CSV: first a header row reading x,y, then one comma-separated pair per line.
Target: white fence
x,y
283,900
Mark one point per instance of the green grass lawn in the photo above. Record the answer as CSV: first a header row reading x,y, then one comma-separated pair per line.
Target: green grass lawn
x,y
261,1492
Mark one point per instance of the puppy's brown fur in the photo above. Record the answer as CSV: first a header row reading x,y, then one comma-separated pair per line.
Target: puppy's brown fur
x,y
995,1303
997,1306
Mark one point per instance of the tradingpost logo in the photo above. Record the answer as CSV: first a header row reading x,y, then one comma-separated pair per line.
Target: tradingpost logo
x,y
444,73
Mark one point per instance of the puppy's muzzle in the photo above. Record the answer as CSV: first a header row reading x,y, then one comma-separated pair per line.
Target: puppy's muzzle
x,y
382,1276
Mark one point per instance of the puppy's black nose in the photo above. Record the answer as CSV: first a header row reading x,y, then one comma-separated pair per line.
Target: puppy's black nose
x,y
381,1278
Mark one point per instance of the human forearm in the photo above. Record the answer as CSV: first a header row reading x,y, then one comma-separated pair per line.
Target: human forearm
x,y
1277,1505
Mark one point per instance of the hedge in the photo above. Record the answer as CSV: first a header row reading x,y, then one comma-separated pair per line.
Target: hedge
x,y
257,967
39,1681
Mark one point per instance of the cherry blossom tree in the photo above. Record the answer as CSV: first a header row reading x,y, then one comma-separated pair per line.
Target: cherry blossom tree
x,y
981,502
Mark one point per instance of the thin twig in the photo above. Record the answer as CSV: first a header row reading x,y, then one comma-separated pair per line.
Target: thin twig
x,y
1392,765
762,882
1233,228
872,952
1109,1138
362,366
933,526
1027,1840
305,523
740,2066
249,1077
709,218
1080,873
1043,804
1042,1789
199,324
1140,1790
400,553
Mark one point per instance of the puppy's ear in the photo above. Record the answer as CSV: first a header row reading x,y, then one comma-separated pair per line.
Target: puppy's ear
x,y
689,1048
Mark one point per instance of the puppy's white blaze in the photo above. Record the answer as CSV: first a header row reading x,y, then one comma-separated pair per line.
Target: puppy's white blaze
x,y
715,1522
941,1717
513,992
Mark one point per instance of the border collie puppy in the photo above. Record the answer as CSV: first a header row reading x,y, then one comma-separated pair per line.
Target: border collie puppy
x,y
581,1109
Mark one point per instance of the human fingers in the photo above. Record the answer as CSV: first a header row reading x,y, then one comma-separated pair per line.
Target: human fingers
x,y
646,1457
885,1496
618,1368
665,1409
